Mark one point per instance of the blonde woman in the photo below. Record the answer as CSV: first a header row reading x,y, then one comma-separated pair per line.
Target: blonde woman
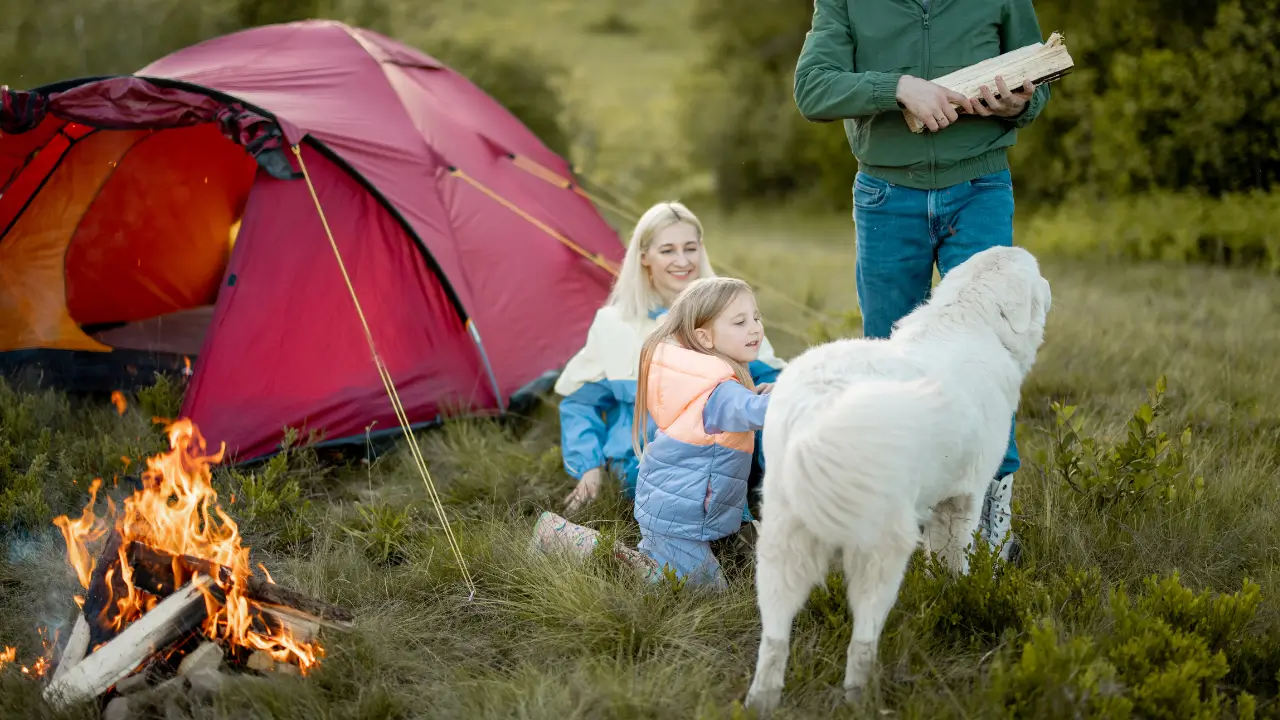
x,y
598,385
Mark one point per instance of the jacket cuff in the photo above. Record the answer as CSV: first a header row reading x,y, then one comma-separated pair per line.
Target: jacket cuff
x,y
884,90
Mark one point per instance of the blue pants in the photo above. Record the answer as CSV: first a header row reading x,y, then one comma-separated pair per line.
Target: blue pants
x,y
691,559
902,232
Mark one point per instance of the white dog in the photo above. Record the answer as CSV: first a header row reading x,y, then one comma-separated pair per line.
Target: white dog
x,y
874,439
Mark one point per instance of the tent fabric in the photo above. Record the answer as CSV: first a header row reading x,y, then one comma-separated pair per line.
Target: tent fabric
x,y
285,344
33,289
138,254
164,202
400,119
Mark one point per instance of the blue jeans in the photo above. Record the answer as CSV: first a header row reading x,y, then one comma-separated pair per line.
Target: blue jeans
x,y
902,232
690,559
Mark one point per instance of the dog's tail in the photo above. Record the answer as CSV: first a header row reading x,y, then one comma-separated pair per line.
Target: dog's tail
x,y
848,471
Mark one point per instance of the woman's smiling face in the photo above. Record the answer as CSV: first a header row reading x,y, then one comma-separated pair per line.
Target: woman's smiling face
x,y
673,259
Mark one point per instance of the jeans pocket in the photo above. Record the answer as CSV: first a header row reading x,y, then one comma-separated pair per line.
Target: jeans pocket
x,y
869,192
1001,180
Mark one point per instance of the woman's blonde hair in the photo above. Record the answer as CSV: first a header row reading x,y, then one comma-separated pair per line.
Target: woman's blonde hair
x,y
633,292
696,307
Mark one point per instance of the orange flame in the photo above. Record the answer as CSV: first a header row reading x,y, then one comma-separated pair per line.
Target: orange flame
x,y
177,512
117,397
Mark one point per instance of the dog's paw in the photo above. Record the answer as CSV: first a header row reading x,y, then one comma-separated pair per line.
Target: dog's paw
x,y
853,694
763,700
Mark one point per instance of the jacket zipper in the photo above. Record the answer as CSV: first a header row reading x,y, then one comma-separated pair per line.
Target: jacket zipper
x,y
928,72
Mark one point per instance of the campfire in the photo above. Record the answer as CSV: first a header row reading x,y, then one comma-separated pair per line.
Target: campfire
x,y
170,595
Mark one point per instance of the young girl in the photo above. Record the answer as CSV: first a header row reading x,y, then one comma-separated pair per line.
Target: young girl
x,y
598,386
694,386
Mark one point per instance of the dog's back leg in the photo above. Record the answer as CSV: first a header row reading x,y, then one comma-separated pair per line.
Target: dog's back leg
x,y
872,578
789,562
951,530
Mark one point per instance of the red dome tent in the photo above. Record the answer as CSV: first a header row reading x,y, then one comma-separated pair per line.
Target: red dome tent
x,y
163,214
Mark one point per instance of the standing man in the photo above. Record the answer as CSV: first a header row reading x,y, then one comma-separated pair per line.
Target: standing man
x,y
934,197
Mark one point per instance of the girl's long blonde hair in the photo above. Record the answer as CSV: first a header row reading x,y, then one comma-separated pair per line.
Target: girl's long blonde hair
x,y
696,307
633,293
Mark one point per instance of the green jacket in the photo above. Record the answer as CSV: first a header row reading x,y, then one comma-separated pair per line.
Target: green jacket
x,y
855,52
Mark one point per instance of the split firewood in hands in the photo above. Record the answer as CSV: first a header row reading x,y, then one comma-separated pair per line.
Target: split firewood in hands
x,y
1032,65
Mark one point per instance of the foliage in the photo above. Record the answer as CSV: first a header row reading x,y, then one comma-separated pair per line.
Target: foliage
x,y
1235,229
991,603
1164,654
1165,96
270,502
49,453
372,14
1180,98
384,532
1146,463
740,113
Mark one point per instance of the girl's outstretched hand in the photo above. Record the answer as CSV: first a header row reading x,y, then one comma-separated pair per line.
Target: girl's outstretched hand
x,y
586,491
763,389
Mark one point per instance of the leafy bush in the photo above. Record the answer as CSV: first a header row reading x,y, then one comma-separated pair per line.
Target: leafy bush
x,y
740,114
51,448
992,603
269,501
1145,463
1164,654
1235,229
1165,96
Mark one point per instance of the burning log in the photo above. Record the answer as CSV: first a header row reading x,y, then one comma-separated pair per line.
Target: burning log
x,y
77,644
1039,62
173,617
152,566
171,590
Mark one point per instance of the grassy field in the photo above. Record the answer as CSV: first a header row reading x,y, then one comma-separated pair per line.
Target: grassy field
x,y
547,639
1101,505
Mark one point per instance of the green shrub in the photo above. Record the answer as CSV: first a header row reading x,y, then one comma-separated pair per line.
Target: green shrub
x,y
269,501
1056,678
162,399
385,533
51,449
1145,465
993,603
1236,229
1164,654
740,115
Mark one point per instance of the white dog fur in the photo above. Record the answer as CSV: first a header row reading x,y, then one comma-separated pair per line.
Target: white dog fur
x,y
874,439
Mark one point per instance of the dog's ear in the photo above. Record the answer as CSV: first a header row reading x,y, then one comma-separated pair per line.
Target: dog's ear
x,y
1017,306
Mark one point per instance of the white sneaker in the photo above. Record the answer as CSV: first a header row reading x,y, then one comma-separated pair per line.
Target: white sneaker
x,y
996,517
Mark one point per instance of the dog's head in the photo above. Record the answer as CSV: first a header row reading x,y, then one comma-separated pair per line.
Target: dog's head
x,y
1002,288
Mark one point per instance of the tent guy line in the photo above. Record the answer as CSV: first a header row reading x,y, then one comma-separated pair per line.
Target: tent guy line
x,y
390,387
593,257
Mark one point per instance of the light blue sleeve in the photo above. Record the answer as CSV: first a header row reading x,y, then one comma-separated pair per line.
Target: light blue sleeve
x,y
583,432
733,408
